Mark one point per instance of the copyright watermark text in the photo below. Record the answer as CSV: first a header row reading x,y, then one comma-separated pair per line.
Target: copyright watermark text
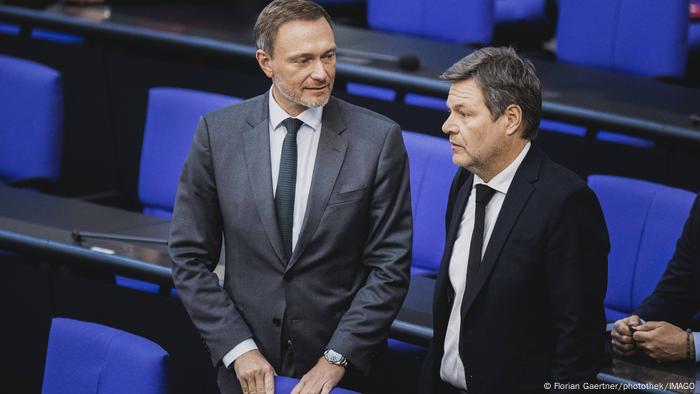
x,y
620,386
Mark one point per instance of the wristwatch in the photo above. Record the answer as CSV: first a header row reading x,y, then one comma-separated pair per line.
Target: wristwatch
x,y
335,358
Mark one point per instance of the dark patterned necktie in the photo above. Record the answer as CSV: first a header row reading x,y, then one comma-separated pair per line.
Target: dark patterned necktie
x,y
286,184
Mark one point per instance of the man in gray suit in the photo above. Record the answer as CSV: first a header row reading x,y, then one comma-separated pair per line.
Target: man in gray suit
x,y
311,196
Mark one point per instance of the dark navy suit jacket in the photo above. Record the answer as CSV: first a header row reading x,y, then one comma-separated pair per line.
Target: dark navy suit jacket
x,y
534,311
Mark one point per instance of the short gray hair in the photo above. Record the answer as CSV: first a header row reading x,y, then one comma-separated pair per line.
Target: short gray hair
x,y
505,78
280,12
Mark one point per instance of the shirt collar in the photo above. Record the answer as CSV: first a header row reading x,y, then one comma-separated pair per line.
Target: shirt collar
x,y
311,117
502,181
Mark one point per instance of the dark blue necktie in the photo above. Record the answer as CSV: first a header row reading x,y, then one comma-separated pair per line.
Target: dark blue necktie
x,y
286,184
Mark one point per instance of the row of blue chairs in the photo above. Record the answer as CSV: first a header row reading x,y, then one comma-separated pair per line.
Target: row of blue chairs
x,y
641,37
452,21
31,142
644,218
90,358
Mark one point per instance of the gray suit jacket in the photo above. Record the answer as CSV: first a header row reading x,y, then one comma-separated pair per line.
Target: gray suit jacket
x,y
349,272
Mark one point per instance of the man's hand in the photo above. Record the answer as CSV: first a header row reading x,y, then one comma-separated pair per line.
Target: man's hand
x,y
662,341
622,340
320,379
254,373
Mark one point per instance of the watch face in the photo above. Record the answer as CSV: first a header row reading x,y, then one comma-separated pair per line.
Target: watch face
x,y
333,356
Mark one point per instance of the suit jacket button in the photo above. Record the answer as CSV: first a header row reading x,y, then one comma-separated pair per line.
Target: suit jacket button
x,y
276,321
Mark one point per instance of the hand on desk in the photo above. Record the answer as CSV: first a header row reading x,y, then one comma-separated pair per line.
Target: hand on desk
x,y
622,340
662,341
320,379
254,373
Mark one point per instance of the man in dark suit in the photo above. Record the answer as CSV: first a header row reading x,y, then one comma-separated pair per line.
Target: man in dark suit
x,y
311,196
673,304
518,302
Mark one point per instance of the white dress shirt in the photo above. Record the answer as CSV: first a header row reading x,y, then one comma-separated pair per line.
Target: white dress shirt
x,y
307,144
451,367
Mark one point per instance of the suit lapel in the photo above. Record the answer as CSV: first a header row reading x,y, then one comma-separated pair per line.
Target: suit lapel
x,y
460,204
257,158
518,195
332,146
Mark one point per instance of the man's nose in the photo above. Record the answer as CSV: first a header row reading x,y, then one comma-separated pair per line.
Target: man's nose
x,y
448,127
319,72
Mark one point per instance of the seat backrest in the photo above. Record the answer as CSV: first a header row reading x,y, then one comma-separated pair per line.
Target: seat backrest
x,y
432,170
509,11
89,358
641,37
171,121
644,220
31,120
446,20
664,225
285,385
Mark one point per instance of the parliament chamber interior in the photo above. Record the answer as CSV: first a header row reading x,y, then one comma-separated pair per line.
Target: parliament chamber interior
x,y
101,100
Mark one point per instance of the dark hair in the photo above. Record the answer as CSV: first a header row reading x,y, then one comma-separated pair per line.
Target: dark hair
x,y
505,78
280,12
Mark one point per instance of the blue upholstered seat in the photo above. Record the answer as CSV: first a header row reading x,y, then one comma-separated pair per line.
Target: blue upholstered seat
x,y
89,358
509,11
284,385
641,37
31,120
430,160
434,19
644,220
171,121
452,21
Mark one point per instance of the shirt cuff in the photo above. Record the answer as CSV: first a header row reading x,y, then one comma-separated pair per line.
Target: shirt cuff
x,y
233,354
696,339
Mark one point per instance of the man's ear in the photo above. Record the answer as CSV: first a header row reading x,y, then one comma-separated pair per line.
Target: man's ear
x,y
514,118
264,62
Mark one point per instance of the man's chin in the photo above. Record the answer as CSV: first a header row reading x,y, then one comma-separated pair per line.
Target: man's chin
x,y
317,101
460,161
